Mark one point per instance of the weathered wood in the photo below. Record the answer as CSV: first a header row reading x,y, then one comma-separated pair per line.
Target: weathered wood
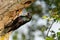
x,y
10,11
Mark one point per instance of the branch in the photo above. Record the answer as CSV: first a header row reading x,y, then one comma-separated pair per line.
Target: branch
x,y
50,27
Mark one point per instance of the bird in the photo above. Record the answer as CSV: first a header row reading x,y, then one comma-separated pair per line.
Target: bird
x,y
10,16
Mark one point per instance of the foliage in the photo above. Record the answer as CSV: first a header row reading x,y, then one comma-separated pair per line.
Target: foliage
x,y
58,35
49,38
23,37
15,36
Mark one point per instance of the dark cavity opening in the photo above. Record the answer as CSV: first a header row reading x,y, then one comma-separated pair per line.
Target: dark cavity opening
x,y
28,2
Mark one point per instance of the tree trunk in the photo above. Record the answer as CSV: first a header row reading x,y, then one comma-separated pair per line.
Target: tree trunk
x,y
10,16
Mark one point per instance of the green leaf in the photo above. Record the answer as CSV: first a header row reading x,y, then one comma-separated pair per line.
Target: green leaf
x,y
58,35
15,36
23,37
49,38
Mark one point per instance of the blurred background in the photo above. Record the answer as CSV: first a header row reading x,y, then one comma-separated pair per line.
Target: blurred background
x,y
45,22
